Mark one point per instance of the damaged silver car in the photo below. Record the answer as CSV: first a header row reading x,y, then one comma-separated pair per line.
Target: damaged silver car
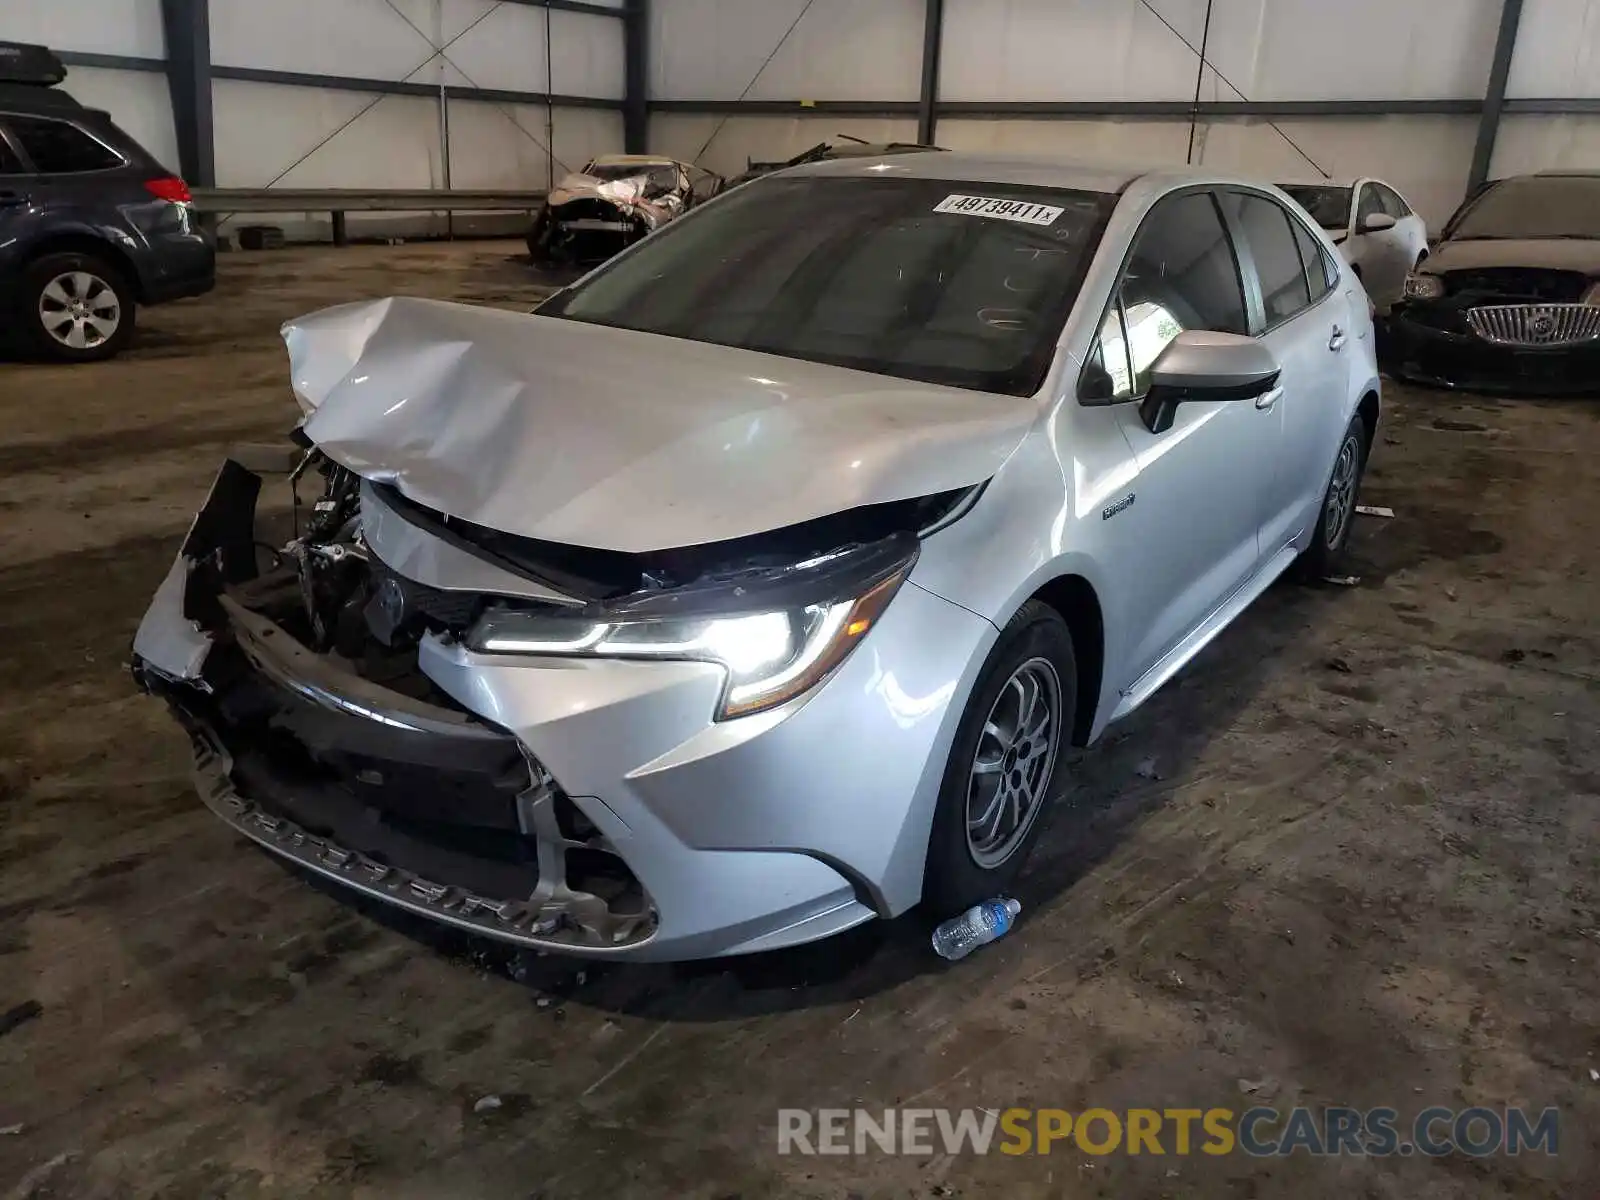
x,y
611,203
757,585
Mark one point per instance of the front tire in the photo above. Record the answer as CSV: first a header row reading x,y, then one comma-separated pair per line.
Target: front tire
x,y
76,307
1338,513
1004,763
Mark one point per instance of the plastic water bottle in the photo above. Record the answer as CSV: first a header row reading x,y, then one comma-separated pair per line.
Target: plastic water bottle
x,y
978,926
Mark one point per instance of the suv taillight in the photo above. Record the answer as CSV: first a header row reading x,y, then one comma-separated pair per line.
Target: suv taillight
x,y
169,187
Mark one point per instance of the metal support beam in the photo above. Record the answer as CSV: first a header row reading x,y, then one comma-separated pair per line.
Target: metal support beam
x,y
928,101
636,76
1146,110
577,6
1494,101
187,26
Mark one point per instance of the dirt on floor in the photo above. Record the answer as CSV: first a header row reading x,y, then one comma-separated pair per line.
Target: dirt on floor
x,y
1351,857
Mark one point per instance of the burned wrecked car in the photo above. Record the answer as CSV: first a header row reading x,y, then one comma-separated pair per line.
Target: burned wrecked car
x,y
611,203
1509,300
756,585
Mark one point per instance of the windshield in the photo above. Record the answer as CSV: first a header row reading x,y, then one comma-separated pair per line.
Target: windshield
x,y
1329,206
958,283
1535,207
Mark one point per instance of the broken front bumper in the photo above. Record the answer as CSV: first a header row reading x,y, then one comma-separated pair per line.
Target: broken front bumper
x,y
586,807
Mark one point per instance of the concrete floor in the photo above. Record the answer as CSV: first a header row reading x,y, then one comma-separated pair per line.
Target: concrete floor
x,y
1368,872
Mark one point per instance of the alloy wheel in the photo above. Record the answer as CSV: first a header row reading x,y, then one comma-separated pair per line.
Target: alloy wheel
x,y
1342,493
79,309
1011,770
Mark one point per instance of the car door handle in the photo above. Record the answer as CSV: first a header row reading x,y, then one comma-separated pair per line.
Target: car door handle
x,y
1336,340
1267,399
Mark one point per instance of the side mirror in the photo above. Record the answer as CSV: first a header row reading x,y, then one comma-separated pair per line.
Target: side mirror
x,y
1374,222
1201,365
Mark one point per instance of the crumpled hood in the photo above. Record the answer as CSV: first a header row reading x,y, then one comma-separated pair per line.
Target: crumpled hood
x,y
1561,254
616,440
625,192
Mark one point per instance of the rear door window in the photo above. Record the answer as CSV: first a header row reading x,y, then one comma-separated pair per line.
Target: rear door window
x,y
1319,273
1269,232
60,148
10,163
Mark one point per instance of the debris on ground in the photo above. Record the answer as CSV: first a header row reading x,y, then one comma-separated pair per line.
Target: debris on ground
x,y
487,1104
1594,1076
1266,1087
1342,580
1147,769
978,926
1337,664
9,1130
1513,655
1374,510
19,1014
543,1002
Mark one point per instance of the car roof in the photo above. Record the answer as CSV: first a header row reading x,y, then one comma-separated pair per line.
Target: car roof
x,y
1024,169
989,168
1308,182
623,160
45,101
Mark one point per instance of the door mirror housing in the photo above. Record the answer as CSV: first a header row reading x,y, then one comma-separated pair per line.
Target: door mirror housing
x,y
1200,364
1376,222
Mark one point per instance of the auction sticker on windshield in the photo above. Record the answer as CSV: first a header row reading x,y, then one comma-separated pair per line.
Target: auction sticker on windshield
x,y
1006,210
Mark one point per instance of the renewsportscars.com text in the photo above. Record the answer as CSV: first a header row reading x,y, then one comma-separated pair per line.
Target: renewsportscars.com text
x,y
1259,1132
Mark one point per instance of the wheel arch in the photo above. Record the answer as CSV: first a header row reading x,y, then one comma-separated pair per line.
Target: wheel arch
x,y
1074,599
1369,408
78,242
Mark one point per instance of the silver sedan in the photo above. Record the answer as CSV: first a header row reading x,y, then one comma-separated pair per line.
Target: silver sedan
x,y
755,586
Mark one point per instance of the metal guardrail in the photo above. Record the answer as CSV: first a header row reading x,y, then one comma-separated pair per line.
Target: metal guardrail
x,y
339,201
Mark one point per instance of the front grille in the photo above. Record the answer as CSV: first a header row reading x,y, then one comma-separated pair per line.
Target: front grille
x,y
1519,283
1539,325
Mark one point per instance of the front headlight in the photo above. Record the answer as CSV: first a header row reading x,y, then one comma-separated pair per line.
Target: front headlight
x,y
1423,287
770,657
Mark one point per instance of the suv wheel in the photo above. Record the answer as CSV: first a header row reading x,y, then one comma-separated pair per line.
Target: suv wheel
x,y
76,307
1004,763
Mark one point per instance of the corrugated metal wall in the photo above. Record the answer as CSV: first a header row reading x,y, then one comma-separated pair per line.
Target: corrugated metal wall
x,y
862,50
297,136
139,99
1558,54
1126,50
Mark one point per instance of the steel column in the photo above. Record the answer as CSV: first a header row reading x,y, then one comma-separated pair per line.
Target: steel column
x,y
636,76
928,100
1494,101
187,26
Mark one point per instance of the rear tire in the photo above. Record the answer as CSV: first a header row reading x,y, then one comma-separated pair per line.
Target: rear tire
x,y
75,307
1338,512
1004,763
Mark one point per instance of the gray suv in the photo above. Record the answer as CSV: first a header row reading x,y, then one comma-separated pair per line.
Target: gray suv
x,y
91,225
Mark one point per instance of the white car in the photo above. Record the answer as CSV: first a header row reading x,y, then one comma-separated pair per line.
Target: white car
x,y
1375,229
